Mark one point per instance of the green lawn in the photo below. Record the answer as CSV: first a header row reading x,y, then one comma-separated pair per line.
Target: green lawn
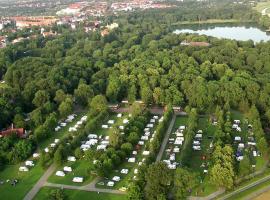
x,y
244,194
81,195
80,169
26,181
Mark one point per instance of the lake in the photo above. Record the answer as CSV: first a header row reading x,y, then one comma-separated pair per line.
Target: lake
x,y
234,32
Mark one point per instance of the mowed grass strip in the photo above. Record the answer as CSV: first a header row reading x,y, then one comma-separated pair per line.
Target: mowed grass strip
x,y
43,194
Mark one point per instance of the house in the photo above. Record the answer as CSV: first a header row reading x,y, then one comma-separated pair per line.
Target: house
x,y
124,171
114,107
104,32
19,131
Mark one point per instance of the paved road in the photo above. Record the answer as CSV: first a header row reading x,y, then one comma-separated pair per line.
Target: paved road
x,y
32,193
91,188
245,188
166,138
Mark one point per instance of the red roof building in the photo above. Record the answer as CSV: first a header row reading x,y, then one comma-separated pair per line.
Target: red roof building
x,y
18,131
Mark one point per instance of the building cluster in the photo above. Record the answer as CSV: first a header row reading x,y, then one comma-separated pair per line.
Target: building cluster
x,y
24,22
137,4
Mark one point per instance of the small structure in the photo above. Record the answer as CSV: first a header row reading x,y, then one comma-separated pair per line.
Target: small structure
x,y
71,158
116,178
60,173
23,169
110,184
124,171
67,169
131,160
29,163
77,179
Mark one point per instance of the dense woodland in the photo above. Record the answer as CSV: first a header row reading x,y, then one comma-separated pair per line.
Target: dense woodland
x,y
47,78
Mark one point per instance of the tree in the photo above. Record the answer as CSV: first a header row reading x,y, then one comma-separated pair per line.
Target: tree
x,y
66,107
134,192
57,195
19,121
60,96
83,94
158,177
115,137
41,97
127,148
244,166
59,155
184,181
133,138
98,104
136,109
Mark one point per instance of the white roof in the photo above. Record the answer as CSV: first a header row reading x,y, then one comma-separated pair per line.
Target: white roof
x,y
71,158
77,179
182,127
125,121
67,169
146,153
124,171
105,126
92,136
35,155
23,169
60,173
136,171
134,152
131,160
155,117
119,115
29,163
237,138
111,122
116,178
56,140
141,142
110,184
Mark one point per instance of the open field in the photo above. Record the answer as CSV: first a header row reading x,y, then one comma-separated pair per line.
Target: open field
x,y
81,195
26,180
264,196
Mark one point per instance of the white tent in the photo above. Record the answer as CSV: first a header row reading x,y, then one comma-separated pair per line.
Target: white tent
x,y
67,169
111,122
155,117
237,138
104,126
77,179
124,171
135,171
23,169
71,158
119,115
29,163
116,178
125,121
56,141
92,136
60,173
35,155
131,160
110,184
146,153
141,142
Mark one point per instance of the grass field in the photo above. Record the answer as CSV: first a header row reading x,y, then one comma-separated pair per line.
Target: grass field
x,y
80,169
81,195
26,181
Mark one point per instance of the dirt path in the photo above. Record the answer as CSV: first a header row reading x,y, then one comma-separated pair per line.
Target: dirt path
x,y
32,193
166,138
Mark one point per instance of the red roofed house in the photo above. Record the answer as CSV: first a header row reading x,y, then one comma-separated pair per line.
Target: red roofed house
x,y
18,131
